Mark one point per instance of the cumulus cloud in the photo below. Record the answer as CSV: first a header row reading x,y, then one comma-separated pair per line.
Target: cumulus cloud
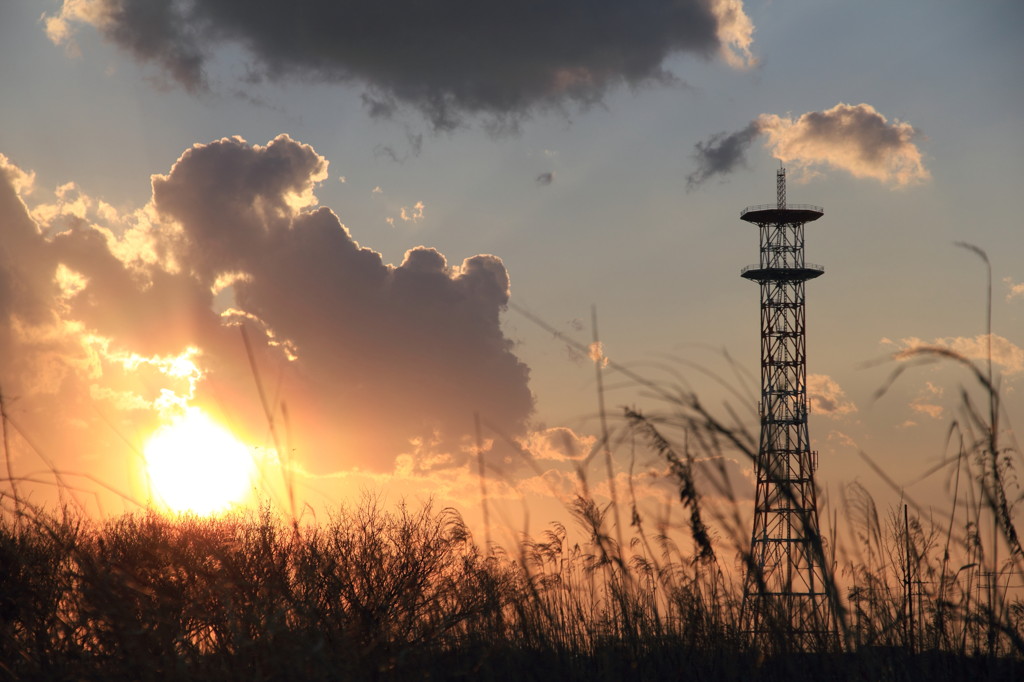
x,y
853,138
857,139
100,315
446,60
826,397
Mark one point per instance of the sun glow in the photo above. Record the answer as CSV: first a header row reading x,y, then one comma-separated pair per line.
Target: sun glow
x,y
195,465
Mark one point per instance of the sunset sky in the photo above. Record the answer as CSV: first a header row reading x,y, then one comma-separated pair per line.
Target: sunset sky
x,y
366,187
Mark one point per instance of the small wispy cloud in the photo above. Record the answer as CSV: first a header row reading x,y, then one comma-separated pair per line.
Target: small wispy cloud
x,y
721,153
842,438
1008,355
931,409
414,215
1014,289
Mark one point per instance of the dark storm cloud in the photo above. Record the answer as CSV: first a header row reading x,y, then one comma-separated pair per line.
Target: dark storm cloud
x,y
445,58
721,153
371,359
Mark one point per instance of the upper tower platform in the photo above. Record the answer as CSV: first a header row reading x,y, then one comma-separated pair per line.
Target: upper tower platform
x,y
772,214
782,238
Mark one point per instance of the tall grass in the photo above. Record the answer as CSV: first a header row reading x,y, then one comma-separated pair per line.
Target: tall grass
x,y
405,594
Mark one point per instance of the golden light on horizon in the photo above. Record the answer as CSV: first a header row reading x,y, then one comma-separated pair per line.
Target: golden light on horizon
x,y
195,465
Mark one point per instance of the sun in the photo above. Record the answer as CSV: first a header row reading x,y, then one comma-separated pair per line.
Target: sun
x,y
195,465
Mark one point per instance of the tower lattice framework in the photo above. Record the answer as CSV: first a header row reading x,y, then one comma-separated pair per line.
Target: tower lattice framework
x,y
786,601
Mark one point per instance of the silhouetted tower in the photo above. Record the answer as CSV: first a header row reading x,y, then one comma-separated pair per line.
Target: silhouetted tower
x,y
785,600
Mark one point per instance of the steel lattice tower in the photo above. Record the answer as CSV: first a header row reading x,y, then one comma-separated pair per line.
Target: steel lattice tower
x,y
786,604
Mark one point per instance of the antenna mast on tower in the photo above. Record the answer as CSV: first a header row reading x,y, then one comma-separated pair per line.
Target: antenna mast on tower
x,y
786,599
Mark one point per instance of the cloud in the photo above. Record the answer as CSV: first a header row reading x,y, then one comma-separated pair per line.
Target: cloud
x,y
857,139
721,153
414,142
415,214
826,397
843,439
1005,353
545,179
924,403
1014,289
360,360
930,409
853,138
558,444
446,60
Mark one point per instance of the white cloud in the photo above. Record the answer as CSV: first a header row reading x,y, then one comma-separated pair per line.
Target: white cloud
x,y
736,33
826,397
854,138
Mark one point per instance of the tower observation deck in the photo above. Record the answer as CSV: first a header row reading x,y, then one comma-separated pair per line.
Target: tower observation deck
x,y
787,604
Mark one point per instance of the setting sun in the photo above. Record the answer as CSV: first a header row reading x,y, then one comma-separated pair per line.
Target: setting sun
x,y
193,464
